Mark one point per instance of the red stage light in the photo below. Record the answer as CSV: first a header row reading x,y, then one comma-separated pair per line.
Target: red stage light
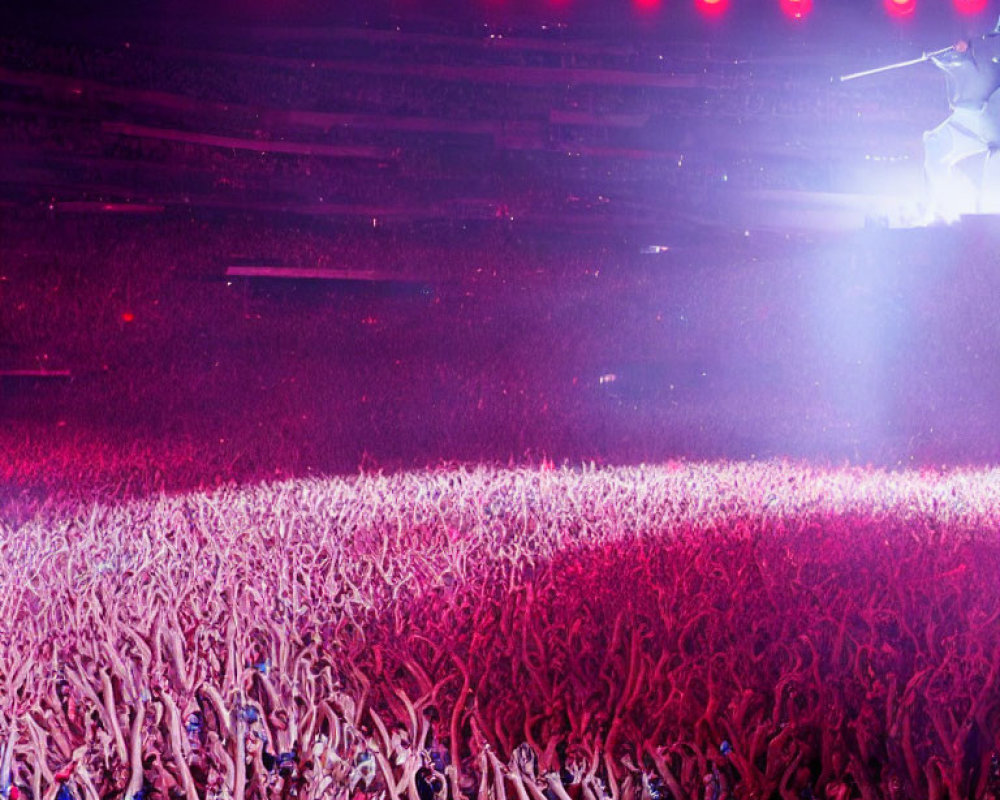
x,y
128,316
900,8
796,9
712,8
970,7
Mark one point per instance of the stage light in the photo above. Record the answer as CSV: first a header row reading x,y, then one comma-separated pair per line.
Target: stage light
x,y
970,7
128,316
900,8
646,6
796,9
712,8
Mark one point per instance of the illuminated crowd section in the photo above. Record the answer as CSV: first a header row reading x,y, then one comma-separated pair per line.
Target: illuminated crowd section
x,y
766,628
147,359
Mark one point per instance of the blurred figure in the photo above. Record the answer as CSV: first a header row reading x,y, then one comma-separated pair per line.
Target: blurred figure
x,y
973,128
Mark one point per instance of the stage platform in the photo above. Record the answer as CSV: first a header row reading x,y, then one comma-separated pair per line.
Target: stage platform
x,y
830,212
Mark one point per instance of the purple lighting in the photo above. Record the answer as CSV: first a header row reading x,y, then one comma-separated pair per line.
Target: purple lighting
x,y
525,399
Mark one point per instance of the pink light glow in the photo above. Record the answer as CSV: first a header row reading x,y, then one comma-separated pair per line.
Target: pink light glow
x,y
646,6
900,8
970,7
712,8
796,9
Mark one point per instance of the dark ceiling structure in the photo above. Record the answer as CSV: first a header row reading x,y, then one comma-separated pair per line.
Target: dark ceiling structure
x,y
408,113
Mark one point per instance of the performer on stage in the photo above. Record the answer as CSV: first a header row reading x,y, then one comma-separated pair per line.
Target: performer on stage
x,y
973,128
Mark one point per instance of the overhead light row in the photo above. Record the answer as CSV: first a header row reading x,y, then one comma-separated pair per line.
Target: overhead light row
x,y
800,9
